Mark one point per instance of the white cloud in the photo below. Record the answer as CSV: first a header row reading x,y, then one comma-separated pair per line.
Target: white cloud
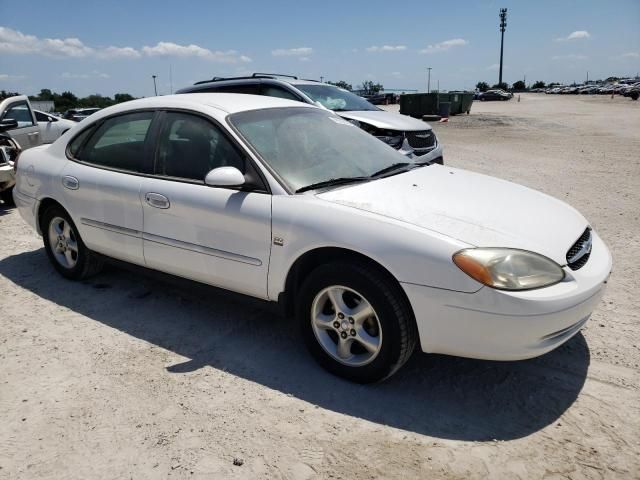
x,y
6,76
119,52
629,55
170,49
396,74
292,52
386,48
571,56
84,76
577,35
444,46
305,59
15,42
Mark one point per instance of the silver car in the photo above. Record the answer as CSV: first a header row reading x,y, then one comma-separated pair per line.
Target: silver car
x,y
406,134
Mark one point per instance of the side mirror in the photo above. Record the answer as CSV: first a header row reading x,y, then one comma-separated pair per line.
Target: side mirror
x,y
224,177
8,124
51,119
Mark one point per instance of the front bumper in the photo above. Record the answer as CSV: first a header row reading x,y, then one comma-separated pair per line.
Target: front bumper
x,y
499,325
425,155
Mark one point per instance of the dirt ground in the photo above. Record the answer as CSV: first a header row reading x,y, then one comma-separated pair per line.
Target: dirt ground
x,y
131,376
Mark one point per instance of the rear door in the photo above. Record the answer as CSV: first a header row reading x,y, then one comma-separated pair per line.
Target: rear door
x,y
103,180
28,133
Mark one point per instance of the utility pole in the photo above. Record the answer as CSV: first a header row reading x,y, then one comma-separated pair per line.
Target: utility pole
x,y
429,80
503,26
155,88
321,79
587,78
170,79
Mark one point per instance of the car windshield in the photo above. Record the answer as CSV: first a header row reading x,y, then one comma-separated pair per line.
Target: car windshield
x,y
305,146
336,99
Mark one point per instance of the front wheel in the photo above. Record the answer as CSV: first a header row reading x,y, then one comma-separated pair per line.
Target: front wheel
x,y
64,247
356,322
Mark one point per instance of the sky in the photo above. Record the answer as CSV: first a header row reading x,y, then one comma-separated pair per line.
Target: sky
x,y
115,46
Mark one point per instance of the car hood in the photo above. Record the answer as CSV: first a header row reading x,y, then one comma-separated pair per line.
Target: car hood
x,y
476,209
386,120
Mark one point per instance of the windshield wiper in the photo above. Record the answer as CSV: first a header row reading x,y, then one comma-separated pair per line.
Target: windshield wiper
x,y
400,167
332,182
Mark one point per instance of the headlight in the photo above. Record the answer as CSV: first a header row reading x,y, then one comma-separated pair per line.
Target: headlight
x,y
508,268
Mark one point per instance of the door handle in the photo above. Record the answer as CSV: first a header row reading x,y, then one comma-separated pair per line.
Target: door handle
x,y
70,182
33,134
157,200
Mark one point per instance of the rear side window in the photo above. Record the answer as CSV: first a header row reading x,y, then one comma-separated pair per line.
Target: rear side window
x,y
279,92
249,89
190,146
117,143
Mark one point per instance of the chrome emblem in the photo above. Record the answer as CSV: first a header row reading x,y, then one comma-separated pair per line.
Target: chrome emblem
x,y
423,135
584,250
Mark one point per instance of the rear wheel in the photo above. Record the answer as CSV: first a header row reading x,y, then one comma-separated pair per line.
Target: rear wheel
x,y
66,250
355,321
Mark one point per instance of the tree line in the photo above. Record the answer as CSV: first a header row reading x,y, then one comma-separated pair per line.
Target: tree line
x,y
67,100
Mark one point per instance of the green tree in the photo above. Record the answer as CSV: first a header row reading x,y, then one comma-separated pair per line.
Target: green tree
x,y
370,88
502,86
122,97
519,85
539,84
342,84
482,86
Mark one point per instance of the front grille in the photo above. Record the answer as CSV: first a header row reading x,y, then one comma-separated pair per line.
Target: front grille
x,y
424,139
580,252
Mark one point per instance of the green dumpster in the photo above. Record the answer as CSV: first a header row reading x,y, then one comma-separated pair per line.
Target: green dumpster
x,y
419,104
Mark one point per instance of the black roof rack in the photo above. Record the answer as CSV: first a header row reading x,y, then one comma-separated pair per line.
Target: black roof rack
x,y
255,75
273,75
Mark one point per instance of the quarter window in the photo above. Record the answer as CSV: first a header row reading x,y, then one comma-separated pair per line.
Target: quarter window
x,y
190,147
21,113
117,143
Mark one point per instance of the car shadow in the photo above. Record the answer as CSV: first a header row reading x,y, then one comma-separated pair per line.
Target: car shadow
x,y
435,395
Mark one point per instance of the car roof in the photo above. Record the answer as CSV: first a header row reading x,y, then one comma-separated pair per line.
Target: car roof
x,y
227,102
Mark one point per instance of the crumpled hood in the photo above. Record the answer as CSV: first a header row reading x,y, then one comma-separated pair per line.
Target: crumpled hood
x,y
477,209
387,120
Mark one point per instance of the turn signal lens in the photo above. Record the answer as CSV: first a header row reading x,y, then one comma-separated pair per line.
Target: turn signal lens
x,y
508,268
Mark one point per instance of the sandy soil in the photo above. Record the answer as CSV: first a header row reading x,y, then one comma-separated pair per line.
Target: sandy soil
x,y
131,376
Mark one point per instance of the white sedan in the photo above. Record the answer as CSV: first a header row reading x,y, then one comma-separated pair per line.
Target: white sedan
x,y
51,127
373,253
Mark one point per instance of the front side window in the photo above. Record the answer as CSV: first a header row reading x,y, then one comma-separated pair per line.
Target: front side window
x,y
190,147
21,113
309,145
118,142
336,99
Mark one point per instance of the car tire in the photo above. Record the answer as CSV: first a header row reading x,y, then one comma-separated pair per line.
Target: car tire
x,y
64,246
389,331
7,197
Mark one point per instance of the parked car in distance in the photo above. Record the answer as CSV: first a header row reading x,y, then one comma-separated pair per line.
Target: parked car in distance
x,y
78,114
51,127
9,151
494,94
410,136
372,253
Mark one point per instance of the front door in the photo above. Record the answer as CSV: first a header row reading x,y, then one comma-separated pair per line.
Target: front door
x,y
219,236
28,133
